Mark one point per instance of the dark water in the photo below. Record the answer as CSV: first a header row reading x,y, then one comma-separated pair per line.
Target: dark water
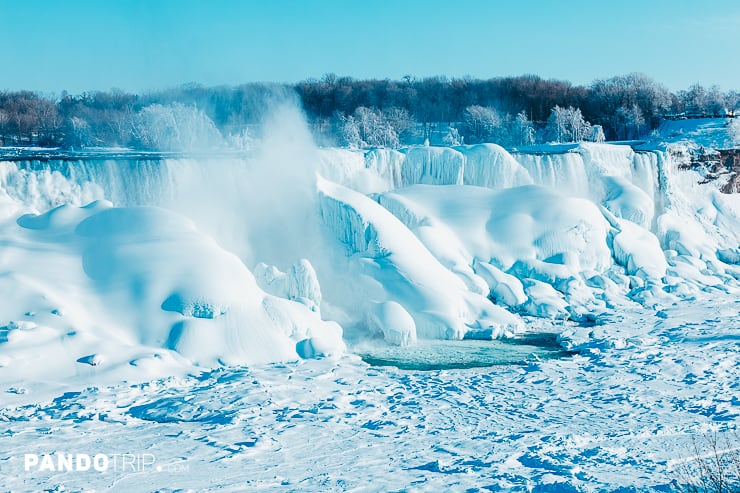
x,y
428,355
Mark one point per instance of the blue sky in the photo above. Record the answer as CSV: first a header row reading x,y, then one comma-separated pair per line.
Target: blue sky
x,y
138,45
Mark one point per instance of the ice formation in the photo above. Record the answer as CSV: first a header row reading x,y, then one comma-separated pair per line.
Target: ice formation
x,y
398,267
421,242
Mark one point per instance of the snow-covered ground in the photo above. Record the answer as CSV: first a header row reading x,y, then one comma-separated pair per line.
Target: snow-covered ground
x,y
620,414
199,319
712,133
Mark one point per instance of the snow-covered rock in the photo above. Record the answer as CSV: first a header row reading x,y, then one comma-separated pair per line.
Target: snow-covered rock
x,y
392,321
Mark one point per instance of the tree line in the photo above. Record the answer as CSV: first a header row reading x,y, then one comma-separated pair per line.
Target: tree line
x,y
511,111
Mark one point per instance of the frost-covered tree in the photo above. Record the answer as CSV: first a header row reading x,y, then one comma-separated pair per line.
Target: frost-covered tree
x,y
348,130
367,127
452,137
481,124
556,129
579,128
630,122
715,102
597,134
694,100
607,96
522,132
734,131
401,121
374,128
367,120
732,101
698,101
175,127
78,133
567,125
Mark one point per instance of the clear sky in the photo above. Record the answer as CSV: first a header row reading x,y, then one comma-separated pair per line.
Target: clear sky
x,y
135,45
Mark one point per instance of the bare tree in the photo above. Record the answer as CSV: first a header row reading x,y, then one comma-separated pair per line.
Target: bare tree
x,y
4,119
714,467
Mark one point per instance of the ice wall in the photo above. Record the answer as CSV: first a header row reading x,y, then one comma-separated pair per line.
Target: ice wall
x,y
574,171
490,166
564,171
380,170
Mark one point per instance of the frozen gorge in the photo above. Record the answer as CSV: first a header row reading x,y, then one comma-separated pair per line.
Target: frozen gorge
x,y
140,268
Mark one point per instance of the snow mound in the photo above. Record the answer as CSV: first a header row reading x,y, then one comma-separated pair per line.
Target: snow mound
x,y
125,284
714,133
503,287
392,321
396,266
512,242
544,301
638,251
504,226
628,201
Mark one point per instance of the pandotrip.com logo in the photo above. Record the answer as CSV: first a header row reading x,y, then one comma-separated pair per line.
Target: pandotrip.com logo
x,y
122,463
